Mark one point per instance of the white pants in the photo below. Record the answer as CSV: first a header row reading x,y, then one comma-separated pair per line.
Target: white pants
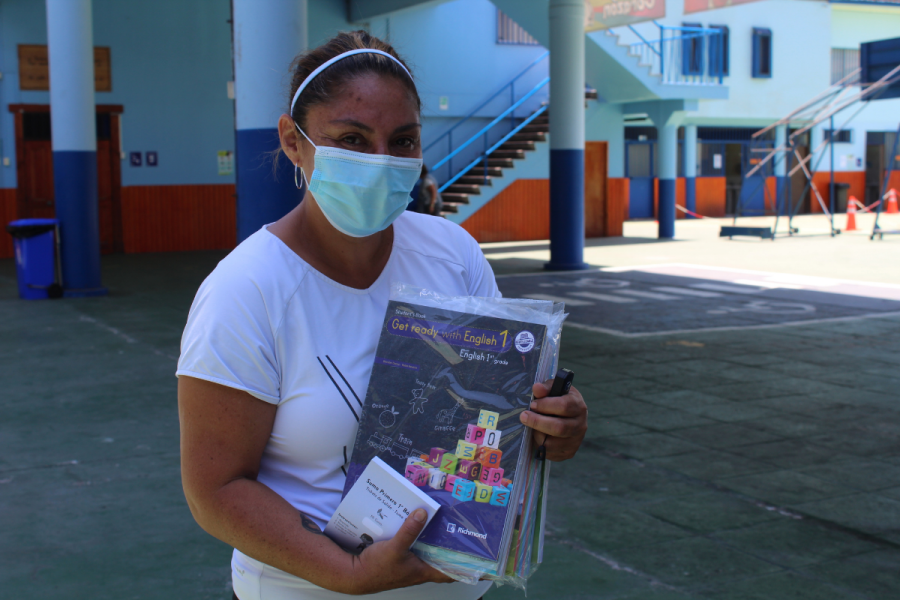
x,y
254,580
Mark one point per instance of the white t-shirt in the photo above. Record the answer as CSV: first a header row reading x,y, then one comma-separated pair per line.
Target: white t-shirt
x,y
267,323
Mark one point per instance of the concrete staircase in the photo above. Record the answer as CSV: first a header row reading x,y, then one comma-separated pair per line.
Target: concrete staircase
x,y
505,157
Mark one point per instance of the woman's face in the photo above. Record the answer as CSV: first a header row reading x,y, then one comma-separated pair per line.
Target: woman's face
x,y
370,114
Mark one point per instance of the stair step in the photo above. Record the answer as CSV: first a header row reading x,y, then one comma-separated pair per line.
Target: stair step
x,y
526,146
478,171
496,161
463,188
475,179
500,153
534,128
450,198
449,209
529,136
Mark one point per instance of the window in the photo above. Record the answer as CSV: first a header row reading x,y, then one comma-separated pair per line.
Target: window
x,y
844,61
841,136
691,50
762,52
509,32
718,51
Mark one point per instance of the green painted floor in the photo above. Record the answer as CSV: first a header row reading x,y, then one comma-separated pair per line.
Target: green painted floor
x,y
756,464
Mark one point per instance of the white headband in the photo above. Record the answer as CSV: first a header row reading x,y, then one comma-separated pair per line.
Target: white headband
x,y
327,64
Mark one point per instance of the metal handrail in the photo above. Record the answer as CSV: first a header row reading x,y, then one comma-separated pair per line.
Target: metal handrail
x,y
490,125
510,84
643,39
488,152
667,55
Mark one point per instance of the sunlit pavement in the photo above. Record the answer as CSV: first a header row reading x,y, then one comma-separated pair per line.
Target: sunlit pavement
x,y
752,453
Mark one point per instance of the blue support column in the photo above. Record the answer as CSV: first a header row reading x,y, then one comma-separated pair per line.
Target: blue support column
x,y
268,34
73,121
781,179
690,169
566,135
667,143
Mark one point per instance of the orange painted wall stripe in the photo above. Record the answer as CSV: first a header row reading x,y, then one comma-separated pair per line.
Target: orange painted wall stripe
x,y
174,218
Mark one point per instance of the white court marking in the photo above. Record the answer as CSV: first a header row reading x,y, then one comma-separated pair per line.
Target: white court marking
x,y
721,287
603,297
687,292
568,301
648,295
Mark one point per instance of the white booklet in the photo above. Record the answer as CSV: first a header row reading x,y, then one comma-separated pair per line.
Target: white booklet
x,y
375,507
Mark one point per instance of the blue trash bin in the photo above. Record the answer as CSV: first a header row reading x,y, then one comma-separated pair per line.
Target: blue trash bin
x,y
35,245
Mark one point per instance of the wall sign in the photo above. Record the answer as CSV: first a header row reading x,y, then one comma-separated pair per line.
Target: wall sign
x,y
693,6
152,159
34,68
135,159
226,162
603,14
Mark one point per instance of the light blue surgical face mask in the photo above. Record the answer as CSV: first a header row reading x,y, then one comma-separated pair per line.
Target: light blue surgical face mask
x,y
360,194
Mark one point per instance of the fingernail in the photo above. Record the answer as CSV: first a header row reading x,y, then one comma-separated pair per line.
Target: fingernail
x,y
524,418
419,515
534,405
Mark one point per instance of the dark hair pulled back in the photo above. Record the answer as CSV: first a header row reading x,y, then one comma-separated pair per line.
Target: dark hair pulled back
x,y
330,81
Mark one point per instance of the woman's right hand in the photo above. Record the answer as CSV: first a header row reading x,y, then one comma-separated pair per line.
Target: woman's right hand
x,y
389,564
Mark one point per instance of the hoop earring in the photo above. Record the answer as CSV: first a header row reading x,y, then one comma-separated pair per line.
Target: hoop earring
x,y
296,183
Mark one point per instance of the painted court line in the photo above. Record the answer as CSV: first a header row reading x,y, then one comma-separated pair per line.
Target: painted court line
x,y
687,292
568,301
648,295
721,287
643,334
603,297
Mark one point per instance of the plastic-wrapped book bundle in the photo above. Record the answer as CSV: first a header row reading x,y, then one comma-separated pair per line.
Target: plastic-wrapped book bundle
x,y
451,376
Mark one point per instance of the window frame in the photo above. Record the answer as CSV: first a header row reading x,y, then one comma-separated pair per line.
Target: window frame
x,y
726,54
692,51
758,71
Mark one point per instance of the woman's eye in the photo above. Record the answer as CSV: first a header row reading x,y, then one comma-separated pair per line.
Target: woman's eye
x,y
406,143
351,139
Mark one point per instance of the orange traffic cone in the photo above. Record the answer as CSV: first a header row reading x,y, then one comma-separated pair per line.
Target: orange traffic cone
x,y
851,214
892,201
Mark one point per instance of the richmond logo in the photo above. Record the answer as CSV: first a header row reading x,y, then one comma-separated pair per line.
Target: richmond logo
x,y
452,528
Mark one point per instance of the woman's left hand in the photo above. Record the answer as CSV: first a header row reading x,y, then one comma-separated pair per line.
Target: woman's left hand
x,y
559,422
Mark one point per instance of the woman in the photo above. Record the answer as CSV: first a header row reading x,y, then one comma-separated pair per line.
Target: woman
x,y
281,338
428,199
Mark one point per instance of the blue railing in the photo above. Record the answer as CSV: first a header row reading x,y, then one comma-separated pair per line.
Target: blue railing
x,y
509,113
484,135
683,55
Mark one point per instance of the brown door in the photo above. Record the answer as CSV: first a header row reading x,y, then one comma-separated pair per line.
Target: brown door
x,y
34,169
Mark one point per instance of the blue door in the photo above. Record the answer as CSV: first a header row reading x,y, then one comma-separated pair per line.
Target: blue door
x,y
639,168
753,188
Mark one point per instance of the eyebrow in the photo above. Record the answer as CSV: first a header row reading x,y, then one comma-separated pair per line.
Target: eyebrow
x,y
365,127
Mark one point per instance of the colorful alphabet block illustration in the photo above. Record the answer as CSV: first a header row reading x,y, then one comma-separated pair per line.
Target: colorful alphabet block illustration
x,y
507,483
417,475
465,450
491,438
448,463
475,434
489,457
412,460
469,469
488,419
437,479
482,492
434,459
499,496
451,480
463,490
492,476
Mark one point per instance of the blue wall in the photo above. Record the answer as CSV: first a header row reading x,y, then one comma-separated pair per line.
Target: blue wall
x,y
171,61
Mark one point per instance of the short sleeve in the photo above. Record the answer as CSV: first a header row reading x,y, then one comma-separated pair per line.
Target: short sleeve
x,y
481,281
229,338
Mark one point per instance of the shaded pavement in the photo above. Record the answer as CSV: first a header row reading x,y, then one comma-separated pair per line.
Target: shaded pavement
x,y
748,463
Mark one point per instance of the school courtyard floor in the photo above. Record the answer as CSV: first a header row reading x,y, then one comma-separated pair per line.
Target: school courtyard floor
x,y
744,437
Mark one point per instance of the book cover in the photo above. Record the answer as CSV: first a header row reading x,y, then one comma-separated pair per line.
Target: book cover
x,y
442,406
375,507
